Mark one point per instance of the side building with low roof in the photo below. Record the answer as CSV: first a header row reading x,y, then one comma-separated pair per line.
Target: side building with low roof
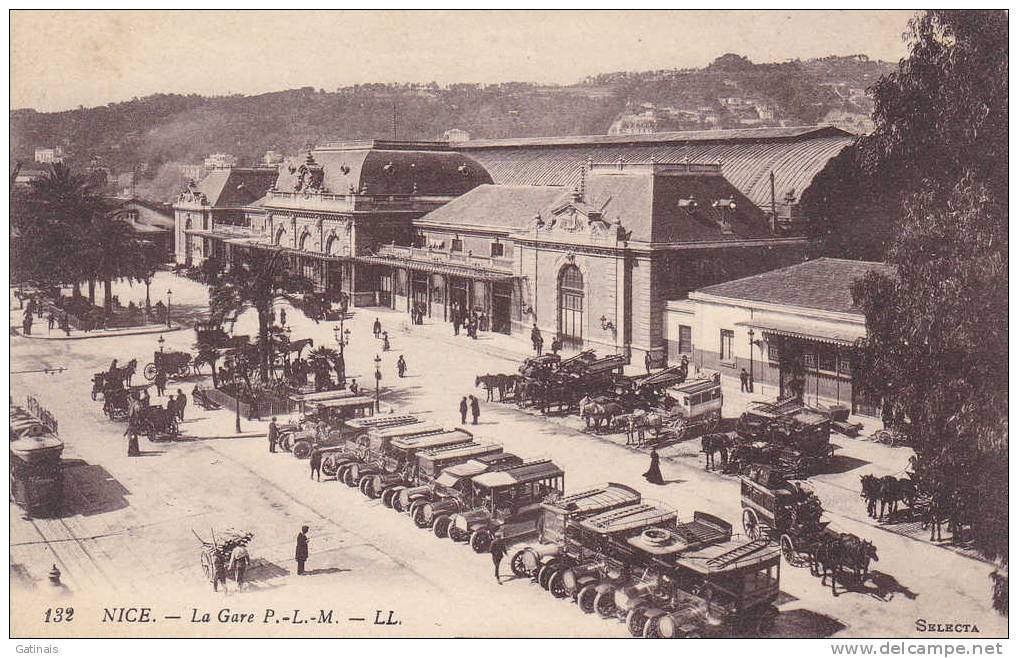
x,y
792,329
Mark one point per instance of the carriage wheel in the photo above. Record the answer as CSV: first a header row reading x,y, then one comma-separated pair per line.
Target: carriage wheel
x,y
348,478
516,564
636,621
387,494
365,486
419,519
397,504
604,603
480,540
456,534
557,584
750,523
545,572
150,371
788,550
586,597
206,564
441,526
329,467
302,449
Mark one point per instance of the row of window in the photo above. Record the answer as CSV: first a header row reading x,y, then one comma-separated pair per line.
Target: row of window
x,y
822,357
456,244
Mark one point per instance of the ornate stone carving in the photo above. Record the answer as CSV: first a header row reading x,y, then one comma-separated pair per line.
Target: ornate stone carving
x,y
310,177
192,194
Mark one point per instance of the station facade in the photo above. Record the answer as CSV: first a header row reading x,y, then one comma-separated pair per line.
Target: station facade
x,y
592,255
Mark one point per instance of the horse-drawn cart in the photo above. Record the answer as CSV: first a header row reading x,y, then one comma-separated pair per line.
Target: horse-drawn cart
x,y
220,548
174,364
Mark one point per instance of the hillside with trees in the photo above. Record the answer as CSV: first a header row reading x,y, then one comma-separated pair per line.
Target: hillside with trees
x,y
145,134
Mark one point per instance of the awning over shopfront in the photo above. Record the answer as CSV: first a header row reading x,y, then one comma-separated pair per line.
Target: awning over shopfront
x,y
434,267
804,330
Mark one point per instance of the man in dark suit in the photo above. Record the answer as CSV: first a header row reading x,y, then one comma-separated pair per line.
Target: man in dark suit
x,y
301,554
498,551
463,411
273,434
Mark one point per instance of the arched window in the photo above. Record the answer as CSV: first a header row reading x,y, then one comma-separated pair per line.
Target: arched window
x,y
332,246
304,241
570,305
280,234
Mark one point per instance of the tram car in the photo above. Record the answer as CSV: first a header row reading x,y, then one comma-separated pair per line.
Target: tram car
x,y
507,504
429,467
397,465
36,467
432,505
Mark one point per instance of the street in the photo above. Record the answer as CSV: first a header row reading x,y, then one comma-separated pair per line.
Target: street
x,y
128,537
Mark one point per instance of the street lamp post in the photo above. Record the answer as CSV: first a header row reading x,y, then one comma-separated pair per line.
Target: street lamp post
x,y
750,360
378,379
342,340
161,341
169,299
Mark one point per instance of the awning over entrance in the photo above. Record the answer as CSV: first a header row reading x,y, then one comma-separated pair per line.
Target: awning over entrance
x,y
465,271
804,331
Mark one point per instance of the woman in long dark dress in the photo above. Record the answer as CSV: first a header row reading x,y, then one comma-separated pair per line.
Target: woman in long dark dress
x,y
653,474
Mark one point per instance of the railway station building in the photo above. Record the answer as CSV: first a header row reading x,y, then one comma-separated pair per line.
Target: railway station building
x,y
589,238
792,329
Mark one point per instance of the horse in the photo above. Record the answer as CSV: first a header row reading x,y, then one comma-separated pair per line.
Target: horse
x,y
710,444
599,412
857,554
826,557
490,383
870,493
124,373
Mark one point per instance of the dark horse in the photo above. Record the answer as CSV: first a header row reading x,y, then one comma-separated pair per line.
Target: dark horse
x,y
835,553
888,491
714,443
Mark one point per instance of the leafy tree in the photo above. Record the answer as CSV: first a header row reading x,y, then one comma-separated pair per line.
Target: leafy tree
x,y
938,331
255,279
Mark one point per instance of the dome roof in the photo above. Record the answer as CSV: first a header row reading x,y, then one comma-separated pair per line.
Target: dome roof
x,y
384,168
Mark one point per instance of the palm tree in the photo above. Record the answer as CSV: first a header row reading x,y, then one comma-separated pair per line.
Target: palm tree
x,y
326,358
256,278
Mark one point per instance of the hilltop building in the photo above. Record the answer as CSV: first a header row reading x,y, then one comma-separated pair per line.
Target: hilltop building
x,y
49,155
219,161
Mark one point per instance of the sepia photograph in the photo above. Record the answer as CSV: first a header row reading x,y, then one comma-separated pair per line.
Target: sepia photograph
x,y
509,324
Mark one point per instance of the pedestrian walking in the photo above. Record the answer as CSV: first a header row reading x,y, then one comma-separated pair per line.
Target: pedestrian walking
x,y
282,316
26,324
401,366
455,323
647,360
498,552
171,405
653,474
556,344
475,408
272,317
239,561
463,410
273,434
132,437
160,382
377,328
385,341
51,320
181,403
744,381
316,464
218,571
301,553
536,339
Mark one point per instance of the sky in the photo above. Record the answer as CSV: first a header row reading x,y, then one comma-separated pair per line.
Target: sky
x,y
63,59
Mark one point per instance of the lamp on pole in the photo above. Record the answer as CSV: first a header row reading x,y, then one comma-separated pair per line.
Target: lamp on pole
x,y
342,340
751,360
169,298
161,342
378,379
236,406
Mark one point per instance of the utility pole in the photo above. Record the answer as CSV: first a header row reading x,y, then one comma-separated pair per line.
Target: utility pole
x,y
774,206
394,121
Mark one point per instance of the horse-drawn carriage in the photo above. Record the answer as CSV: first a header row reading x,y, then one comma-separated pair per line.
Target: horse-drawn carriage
x,y
117,401
686,409
788,513
112,379
157,422
174,364
787,434
211,334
